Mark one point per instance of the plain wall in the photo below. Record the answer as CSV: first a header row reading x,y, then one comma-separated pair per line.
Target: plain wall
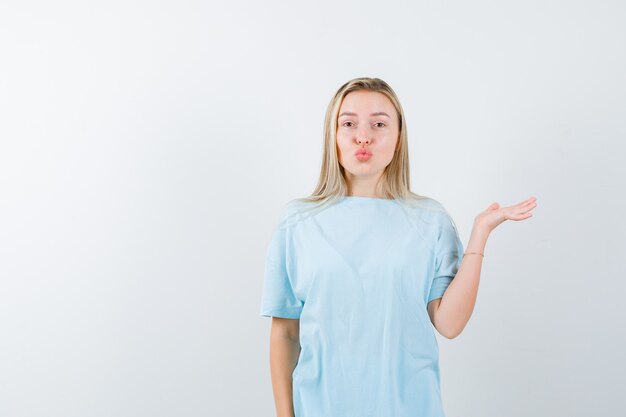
x,y
147,148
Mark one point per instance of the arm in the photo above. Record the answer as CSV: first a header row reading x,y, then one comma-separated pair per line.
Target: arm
x,y
284,352
451,312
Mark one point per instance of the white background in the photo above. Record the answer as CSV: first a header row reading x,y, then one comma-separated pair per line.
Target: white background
x,y
147,148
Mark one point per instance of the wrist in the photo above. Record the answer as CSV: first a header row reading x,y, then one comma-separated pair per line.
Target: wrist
x,y
480,228
478,239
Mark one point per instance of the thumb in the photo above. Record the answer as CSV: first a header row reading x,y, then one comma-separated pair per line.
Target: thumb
x,y
493,206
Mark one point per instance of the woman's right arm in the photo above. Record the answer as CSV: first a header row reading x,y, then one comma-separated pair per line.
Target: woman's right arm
x,y
284,352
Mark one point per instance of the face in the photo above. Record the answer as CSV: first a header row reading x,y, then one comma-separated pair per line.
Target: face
x,y
367,133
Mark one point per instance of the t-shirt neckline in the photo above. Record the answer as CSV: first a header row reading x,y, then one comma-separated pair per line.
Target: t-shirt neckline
x,y
366,200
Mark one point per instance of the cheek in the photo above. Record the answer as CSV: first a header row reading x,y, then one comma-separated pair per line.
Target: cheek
x,y
391,141
342,142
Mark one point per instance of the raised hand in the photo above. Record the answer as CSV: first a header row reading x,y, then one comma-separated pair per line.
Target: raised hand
x,y
495,215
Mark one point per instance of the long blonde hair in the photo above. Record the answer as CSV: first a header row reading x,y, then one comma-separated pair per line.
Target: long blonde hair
x,y
395,180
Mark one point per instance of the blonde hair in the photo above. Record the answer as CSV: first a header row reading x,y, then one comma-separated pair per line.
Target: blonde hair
x,y
395,180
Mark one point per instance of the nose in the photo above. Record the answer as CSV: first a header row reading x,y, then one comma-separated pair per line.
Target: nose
x,y
363,138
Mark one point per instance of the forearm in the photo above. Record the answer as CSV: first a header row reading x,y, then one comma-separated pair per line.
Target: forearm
x,y
284,354
457,303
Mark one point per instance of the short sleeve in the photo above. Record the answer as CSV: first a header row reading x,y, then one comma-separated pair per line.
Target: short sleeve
x,y
448,255
278,298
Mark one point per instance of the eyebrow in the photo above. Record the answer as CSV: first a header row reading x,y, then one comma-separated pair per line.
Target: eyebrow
x,y
379,113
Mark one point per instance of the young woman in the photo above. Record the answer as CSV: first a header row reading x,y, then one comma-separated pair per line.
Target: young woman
x,y
358,273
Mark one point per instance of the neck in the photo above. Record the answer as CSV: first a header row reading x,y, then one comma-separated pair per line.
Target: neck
x,y
364,187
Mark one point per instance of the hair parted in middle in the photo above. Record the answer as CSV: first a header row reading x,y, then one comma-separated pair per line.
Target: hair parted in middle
x,y
395,180
394,183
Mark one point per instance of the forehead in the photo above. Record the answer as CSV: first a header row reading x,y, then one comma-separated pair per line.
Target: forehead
x,y
364,101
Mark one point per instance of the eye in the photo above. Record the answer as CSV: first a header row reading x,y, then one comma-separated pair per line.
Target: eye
x,y
346,123
380,123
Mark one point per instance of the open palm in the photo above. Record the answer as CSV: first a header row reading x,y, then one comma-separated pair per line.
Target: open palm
x,y
495,215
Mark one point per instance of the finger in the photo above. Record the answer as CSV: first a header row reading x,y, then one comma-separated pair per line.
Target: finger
x,y
528,204
520,216
518,212
524,205
518,206
531,200
525,216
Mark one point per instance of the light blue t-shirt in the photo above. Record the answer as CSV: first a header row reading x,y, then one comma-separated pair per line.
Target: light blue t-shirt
x,y
359,275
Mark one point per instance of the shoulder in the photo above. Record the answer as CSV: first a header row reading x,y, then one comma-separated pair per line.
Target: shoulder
x,y
429,212
294,211
433,223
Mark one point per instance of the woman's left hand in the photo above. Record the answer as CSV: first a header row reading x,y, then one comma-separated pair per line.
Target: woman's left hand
x,y
495,215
